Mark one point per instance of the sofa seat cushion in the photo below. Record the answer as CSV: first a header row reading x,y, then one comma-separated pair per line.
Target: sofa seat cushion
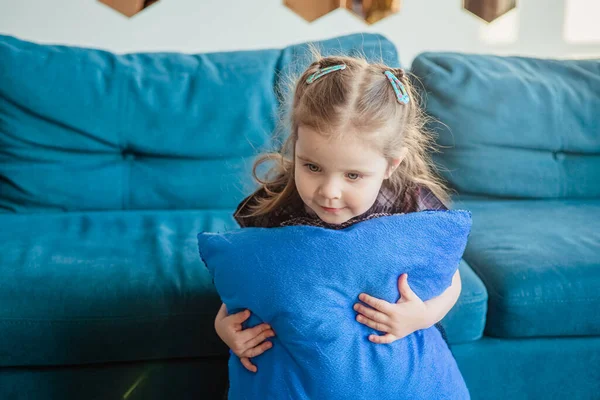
x,y
106,286
540,263
466,320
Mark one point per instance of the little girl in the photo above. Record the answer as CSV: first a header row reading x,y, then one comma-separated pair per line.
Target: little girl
x,y
357,149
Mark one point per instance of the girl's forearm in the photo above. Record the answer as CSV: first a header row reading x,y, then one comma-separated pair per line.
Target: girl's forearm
x,y
438,307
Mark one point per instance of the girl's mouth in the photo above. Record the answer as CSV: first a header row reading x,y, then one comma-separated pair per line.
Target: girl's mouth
x,y
332,210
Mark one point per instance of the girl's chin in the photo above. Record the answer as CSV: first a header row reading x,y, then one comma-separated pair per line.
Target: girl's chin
x,y
334,219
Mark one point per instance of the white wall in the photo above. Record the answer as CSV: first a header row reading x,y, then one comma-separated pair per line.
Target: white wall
x,y
542,28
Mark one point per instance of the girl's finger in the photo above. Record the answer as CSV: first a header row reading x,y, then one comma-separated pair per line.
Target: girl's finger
x,y
241,316
376,303
248,334
370,313
258,350
406,293
385,339
255,341
372,324
248,365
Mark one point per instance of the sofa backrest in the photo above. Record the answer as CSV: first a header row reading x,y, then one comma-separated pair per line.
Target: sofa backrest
x,y
513,126
85,129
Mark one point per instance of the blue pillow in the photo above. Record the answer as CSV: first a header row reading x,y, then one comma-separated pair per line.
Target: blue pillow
x,y
304,281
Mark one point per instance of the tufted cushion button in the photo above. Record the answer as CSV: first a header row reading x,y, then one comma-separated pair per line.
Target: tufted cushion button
x,y
558,155
128,155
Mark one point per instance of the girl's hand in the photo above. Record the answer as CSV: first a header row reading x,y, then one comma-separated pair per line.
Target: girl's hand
x,y
397,320
245,343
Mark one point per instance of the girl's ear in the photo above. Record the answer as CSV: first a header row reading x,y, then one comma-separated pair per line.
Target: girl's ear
x,y
396,162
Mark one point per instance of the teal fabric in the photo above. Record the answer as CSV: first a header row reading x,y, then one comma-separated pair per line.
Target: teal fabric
x,y
466,320
513,126
84,129
178,379
80,288
87,130
169,139
540,263
494,369
537,368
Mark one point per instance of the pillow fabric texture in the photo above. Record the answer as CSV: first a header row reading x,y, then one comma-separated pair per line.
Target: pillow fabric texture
x,y
304,281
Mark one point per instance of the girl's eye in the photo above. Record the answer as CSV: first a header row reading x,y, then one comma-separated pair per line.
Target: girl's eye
x,y
312,167
353,176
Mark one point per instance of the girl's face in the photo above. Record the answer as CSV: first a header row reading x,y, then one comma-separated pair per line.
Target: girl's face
x,y
338,179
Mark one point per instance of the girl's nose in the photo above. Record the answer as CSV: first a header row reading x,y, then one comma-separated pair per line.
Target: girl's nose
x,y
330,190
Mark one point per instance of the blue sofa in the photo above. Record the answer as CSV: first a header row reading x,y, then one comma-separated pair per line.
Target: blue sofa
x,y
111,164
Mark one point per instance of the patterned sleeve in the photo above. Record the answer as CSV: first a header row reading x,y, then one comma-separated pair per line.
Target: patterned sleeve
x,y
429,201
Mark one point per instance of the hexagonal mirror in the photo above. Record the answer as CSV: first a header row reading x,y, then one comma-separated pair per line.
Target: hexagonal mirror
x,y
128,7
369,10
372,10
489,10
310,10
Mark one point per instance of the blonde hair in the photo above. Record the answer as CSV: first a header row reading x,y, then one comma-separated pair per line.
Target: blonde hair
x,y
361,97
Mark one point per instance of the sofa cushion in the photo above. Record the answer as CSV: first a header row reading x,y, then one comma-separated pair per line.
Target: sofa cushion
x,y
84,129
304,282
514,126
79,288
466,320
531,368
540,263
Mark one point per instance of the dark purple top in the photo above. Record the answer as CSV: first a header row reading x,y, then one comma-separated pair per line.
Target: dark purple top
x,y
417,198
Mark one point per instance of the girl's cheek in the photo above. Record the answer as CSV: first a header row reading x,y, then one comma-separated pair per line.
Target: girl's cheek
x,y
304,184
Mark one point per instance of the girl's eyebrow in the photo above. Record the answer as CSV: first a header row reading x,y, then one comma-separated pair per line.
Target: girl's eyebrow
x,y
304,158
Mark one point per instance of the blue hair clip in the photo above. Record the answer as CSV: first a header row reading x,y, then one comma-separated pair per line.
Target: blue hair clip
x,y
324,71
399,88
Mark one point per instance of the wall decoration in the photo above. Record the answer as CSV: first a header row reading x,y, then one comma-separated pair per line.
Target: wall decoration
x,y
370,10
489,10
310,10
128,7
373,11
